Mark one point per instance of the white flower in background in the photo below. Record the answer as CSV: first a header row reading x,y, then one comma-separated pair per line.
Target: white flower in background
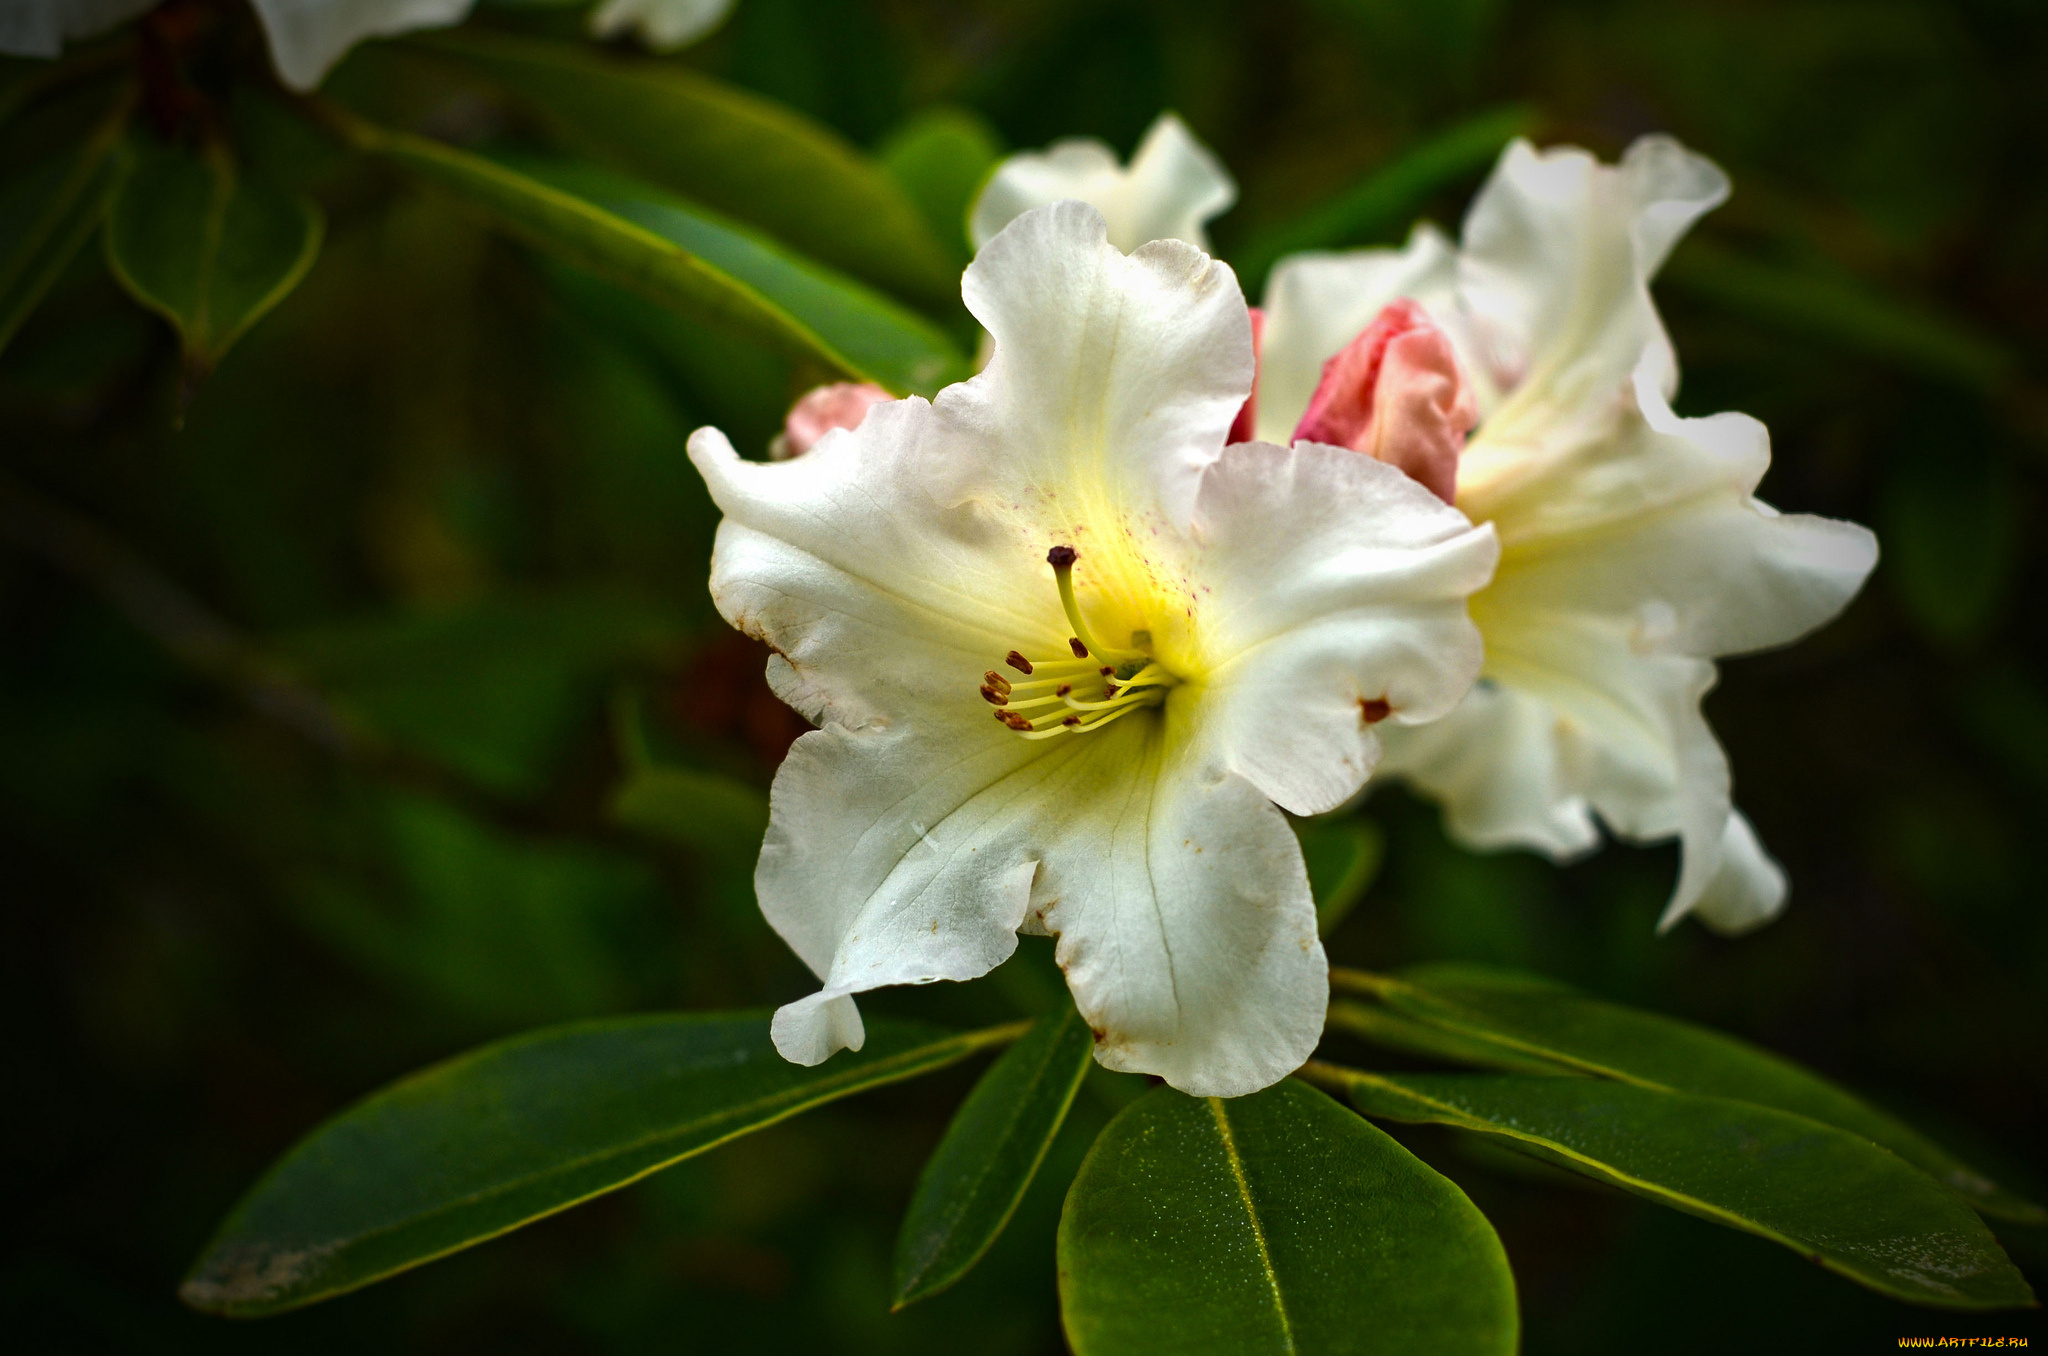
x,y
1067,653
307,37
663,25
1171,189
1633,548
40,28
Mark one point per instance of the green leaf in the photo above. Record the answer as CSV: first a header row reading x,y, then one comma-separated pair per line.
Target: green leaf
x,y
1275,1223
1843,312
47,213
736,152
602,242
197,242
901,350
1520,1016
518,1130
1830,1195
941,158
1383,203
1343,857
971,1185
702,811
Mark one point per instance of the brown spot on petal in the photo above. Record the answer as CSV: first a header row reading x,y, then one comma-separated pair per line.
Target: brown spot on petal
x,y
1101,1033
1374,709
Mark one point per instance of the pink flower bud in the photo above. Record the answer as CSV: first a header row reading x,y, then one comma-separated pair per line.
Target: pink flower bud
x,y
843,404
1247,414
1395,393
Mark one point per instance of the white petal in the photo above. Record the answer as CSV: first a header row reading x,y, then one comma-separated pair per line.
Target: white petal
x,y
1748,888
1554,275
40,28
1660,515
1123,372
1185,924
1331,582
1315,304
812,1030
1504,771
663,25
1173,186
308,36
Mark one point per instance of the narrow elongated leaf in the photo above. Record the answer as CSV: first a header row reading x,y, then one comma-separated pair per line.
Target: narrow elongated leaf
x,y
904,351
1343,858
1280,1223
1381,204
1521,1016
991,1151
502,1136
46,214
1845,313
733,151
1830,1195
941,158
598,241
197,242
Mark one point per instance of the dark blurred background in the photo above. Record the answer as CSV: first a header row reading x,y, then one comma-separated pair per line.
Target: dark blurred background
x,y
313,696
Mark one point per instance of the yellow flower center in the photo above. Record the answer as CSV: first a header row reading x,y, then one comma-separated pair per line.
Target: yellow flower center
x,y
1082,691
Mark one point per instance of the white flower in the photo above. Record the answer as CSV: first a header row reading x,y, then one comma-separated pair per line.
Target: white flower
x,y
663,25
40,28
1633,548
944,586
1173,186
307,37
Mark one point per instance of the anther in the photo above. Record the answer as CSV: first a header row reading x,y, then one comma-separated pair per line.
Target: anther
x,y
1013,720
1108,672
1074,644
993,697
1071,721
1017,662
1063,689
1108,691
997,681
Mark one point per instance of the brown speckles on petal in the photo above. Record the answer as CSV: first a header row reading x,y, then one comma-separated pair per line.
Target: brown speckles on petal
x,y
1374,709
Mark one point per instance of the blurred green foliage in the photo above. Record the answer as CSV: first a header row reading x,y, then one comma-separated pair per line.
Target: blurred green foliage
x,y
310,692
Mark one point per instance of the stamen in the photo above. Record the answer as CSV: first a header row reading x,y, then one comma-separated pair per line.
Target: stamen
x,y
996,681
1129,681
993,697
1080,650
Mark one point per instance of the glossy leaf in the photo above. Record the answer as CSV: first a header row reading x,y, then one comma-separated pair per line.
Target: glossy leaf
x,y
1278,1222
899,349
1343,858
196,241
734,151
48,212
1381,205
972,1183
596,240
1830,1195
1522,1016
941,158
512,1132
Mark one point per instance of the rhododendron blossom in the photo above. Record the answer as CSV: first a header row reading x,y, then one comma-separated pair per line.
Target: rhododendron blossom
x,y
1169,191
1070,656
1634,550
